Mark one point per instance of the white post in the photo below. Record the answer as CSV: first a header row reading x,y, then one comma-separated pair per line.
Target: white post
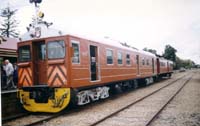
x,y
36,14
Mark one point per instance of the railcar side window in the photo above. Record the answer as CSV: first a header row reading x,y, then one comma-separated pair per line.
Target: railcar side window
x,y
75,58
109,54
128,61
56,49
119,55
162,64
41,50
147,61
143,61
171,65
24,53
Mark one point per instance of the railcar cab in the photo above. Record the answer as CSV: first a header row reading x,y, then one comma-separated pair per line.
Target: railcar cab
x,y
40,55
42,71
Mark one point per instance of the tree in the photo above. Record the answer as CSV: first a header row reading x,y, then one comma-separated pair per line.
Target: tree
x,y
170,53
9,24
150,50
181,63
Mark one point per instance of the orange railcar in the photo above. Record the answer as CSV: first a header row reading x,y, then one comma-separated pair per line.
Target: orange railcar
x,y
56,71
164,67
53,69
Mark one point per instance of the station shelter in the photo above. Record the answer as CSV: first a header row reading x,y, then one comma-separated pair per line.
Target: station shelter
x,y
8,49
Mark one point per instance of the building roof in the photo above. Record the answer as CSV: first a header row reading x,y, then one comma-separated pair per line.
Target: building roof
x,y
10,43
8,47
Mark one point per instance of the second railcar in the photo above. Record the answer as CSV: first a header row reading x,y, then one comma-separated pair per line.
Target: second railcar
x,y
164,67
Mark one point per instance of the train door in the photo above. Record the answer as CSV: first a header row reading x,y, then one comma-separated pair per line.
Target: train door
x,y
39,63
94,63
158,65
153,65
138,64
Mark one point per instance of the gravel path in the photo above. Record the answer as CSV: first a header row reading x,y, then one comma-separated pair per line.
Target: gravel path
x,y
94,112
184,110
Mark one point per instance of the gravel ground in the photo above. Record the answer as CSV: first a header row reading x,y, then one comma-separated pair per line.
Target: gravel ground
x,y
184,110
26,120
140,113
94,112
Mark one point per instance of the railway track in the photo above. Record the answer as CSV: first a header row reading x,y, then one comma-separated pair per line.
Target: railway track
x,y
171,98
113,114
45,118
38,119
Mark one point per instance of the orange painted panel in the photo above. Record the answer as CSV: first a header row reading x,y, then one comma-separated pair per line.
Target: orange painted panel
x,y
57,75
80,73
25,76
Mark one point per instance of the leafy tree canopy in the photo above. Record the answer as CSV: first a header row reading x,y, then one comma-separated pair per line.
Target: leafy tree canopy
x,y
170,53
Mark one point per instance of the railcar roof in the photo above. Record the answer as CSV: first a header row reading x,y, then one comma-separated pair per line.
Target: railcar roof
x,y
165,60
46,32
118,44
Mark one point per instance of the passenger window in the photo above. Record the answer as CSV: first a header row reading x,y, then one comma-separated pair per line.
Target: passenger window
x,y
109,54
76,55
128,61
56,49
120,57
162,64
143,61
147,62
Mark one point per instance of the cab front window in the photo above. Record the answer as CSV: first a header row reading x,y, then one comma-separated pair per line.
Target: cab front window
x,y
24,53
56,49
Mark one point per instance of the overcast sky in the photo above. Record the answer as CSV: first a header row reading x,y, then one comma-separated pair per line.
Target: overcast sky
x,y
141,23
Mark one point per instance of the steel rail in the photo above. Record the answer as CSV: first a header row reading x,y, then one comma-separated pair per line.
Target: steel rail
x,y
43,120
48,118
131,104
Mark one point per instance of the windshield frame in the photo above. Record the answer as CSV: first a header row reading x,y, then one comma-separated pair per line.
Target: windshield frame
x,y
48,50
20,53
